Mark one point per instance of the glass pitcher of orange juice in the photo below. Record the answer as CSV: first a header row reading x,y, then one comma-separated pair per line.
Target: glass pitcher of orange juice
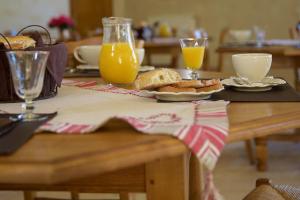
x,y
117,60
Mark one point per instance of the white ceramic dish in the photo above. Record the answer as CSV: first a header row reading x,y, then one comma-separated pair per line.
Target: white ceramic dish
x,y
240,35
182,96
88,67
241,84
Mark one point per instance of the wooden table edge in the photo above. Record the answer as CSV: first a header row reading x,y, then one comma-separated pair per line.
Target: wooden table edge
x,y
51,173
263,126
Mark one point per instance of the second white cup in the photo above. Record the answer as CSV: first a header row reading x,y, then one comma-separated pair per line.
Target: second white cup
x,y
253,66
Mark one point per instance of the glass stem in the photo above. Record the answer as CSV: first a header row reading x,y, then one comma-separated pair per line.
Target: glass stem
x,y
27,108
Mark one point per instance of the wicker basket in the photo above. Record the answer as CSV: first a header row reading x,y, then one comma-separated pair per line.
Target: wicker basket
x,y
56,64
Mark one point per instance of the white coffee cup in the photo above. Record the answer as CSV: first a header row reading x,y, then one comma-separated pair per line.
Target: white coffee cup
x,y
89,54
253,66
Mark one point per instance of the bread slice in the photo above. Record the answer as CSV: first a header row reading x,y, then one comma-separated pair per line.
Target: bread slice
x,y
18,42
190,84
176,89
216,86
157,78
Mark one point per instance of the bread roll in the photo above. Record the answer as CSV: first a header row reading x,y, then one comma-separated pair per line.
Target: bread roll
x,y
18,42
157,78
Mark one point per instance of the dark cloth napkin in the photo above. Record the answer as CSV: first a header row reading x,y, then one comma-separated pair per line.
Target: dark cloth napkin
x,y
14,134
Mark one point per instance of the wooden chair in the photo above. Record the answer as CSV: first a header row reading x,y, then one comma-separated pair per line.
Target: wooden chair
x,y
262,143
261,146
265,190
222,38
294,34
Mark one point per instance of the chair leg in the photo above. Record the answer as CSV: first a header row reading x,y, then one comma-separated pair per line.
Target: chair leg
x,y
261,153
29,195
249,150
124,196
297,78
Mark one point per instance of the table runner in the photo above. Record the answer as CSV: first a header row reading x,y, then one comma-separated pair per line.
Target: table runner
x,y
85,106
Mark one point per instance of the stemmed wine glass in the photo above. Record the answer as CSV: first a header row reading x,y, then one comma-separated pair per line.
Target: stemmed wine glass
x,y
28,70
193,53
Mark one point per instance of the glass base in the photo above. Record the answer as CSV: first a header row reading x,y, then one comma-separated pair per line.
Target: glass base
x,y
194,75
28,117
123,85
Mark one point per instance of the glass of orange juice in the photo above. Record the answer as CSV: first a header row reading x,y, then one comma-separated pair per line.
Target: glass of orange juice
x,y
193,53
118,62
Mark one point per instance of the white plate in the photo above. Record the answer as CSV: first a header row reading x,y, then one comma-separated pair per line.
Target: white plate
x,y
242,85
146,68
88,67
182,96
95,67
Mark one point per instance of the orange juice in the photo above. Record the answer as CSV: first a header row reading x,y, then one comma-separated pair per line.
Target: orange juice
x,y
193,56
118,63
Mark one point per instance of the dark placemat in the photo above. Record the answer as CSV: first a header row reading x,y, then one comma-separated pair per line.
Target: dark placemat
x,y
19,133
283,93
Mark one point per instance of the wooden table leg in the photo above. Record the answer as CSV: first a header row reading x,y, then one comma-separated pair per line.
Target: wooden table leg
x,y
174,58
148,59
29,195
124,196
249,150
74,195
196,184
296,82
296,72
167,179
261,153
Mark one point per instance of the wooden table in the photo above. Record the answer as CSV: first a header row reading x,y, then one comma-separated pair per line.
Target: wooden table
x,y
118,153
283,56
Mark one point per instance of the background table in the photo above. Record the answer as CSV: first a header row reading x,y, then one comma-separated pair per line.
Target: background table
x,y
283,56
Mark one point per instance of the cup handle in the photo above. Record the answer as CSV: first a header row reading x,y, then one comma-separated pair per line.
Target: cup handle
x,y
77,56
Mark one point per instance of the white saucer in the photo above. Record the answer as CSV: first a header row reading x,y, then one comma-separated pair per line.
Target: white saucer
x,y
241,84
88,67
253,89
95,67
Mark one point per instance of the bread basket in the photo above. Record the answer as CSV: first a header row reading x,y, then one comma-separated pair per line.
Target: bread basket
x,y
54,71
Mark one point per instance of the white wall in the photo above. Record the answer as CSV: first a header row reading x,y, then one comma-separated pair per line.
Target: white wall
x,y
15,14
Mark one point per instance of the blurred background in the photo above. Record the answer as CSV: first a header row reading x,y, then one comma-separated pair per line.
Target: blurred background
x,y
274,16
